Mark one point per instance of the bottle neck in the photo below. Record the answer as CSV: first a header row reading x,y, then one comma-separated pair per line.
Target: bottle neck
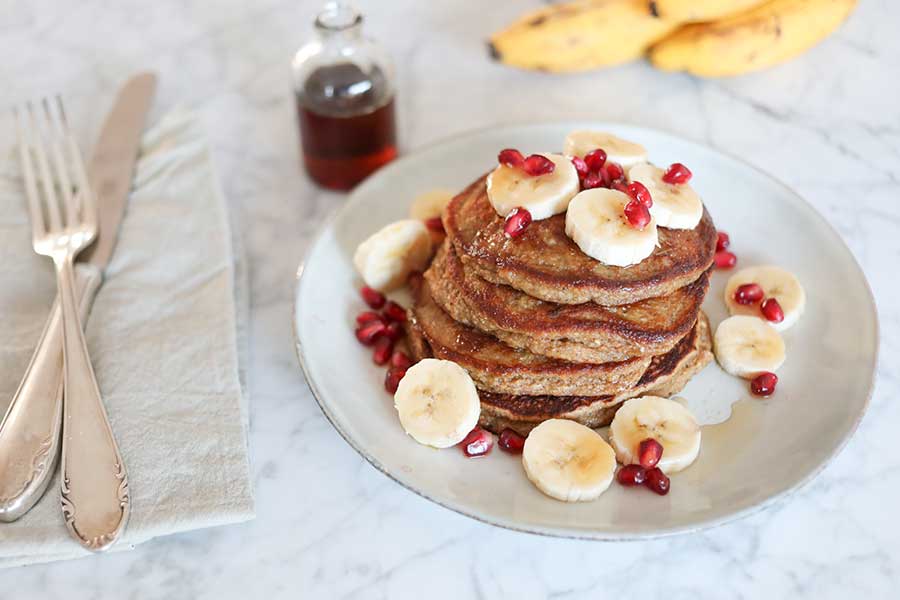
x,y
339,21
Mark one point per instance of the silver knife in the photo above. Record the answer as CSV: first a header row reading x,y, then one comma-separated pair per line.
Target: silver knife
x,y
30,430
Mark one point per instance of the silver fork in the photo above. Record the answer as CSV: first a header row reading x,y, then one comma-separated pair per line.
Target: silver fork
x,y
94,485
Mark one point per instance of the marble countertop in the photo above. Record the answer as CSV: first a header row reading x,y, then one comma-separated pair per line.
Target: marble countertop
x,y
329,525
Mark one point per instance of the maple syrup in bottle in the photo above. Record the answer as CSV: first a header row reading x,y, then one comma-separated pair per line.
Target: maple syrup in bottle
x,y
344,90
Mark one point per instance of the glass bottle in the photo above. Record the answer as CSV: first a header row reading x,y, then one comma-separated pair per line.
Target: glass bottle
x,y
344,87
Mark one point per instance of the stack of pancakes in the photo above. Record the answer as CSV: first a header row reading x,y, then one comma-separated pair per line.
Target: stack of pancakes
x,y
546,331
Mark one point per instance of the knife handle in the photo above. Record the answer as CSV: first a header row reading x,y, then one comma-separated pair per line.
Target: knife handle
x,y
30,431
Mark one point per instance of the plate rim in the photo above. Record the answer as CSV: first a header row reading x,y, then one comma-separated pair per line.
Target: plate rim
x,y
567,533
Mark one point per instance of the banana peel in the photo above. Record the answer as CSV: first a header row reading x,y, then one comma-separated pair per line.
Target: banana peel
x,y
690,11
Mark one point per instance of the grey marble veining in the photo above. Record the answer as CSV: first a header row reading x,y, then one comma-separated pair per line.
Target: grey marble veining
x,y
330,526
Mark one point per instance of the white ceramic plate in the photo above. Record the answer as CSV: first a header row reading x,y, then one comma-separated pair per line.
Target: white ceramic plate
x,y
766,448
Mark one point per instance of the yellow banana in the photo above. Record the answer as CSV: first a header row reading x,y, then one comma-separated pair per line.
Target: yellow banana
x,y
761,37
580,35
700,10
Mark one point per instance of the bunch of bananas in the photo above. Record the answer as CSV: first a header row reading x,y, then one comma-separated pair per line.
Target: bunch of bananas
x,y
709,38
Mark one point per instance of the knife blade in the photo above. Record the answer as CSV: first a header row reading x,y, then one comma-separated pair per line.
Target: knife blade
x,y
30,430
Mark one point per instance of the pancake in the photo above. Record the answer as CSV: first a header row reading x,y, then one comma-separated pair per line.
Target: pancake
x,y
666,375
585,332
543,262
497,367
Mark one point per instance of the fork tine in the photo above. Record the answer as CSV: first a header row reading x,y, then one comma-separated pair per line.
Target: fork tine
x,y
46,181
38,227
86,196
57,139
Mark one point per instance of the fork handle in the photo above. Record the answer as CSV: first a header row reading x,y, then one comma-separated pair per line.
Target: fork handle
x,y
29,433
94,484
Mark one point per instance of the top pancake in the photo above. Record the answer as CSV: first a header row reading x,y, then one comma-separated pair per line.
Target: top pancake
x,y
545,263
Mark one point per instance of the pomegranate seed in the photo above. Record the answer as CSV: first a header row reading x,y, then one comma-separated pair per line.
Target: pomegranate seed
x,y
511,441
366,316
649,453
749,293
384,346
580,166
517,221
631,475
595,159
392,379
367,332
614,170
435,224
393,331
771,310
657,481
373,298
538,165
764,384
394,312
592,180
401,360
725,259
637,214
722,241
677,173
639,192
511,158
478,443
620,185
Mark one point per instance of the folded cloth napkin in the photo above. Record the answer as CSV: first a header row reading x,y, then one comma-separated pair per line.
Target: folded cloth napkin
x,y
164,336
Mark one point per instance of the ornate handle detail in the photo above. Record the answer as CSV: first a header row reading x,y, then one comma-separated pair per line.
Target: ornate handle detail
x,y
29,433
94,488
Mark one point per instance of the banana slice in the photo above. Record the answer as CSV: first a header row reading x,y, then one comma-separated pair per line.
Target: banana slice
x,y
543,196
775,282
579,143
596,222
666,421
437,403
430,204
674,206
388,256
747,346
568,461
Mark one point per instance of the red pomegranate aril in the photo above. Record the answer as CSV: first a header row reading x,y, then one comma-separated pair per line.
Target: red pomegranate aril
x,y
722,241
725,259
772,311
637,214
649,453
367,332
639,192
764,384
511,442
478,443
657,481
372,297
435,224
393,331
384,347
749,293
394,312
511,158
595,159
392,378
592,180
367,316
614,170
580,166
538,165
400,359
620,185
631,475
517,221
677,173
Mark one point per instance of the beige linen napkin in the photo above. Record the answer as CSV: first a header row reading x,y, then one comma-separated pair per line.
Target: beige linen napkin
x,y
164,337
